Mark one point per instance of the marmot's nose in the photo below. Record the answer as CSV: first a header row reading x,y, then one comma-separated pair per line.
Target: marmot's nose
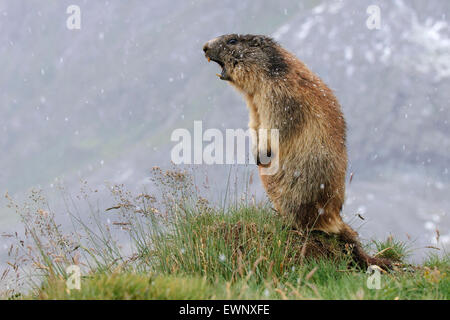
x,y
207,45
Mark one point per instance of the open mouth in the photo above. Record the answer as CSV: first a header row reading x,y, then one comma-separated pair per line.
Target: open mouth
x,y
223,75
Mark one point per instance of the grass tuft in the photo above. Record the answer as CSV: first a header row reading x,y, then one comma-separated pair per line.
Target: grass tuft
x,y
392,249
175,245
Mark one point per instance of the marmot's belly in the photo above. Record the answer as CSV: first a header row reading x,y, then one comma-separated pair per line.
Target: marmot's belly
x,y
299,181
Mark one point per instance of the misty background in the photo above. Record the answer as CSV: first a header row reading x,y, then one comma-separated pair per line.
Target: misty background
x,y
100,103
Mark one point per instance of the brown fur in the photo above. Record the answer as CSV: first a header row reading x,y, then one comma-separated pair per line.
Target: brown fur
x,y
282,93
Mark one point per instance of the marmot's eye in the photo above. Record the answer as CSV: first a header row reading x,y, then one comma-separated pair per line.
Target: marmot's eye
x,y
232,41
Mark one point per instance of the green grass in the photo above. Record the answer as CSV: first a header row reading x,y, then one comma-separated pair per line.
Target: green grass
x,y
246,254
391,249
186,249
325,283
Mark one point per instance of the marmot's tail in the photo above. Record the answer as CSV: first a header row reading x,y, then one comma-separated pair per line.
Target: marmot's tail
x,y
333,223
364,260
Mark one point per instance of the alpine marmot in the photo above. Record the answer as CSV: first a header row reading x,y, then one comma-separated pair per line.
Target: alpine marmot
x,y
282,93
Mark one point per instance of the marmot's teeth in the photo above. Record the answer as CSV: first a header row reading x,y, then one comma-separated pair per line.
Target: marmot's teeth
x,y
209,59
219,75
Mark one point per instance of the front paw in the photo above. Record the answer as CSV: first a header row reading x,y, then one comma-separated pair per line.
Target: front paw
x,y
263,157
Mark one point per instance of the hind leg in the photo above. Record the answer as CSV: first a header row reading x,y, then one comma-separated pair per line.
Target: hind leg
x,y
321,215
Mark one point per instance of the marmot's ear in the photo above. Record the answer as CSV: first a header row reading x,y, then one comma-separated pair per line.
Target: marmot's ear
x,y
256,41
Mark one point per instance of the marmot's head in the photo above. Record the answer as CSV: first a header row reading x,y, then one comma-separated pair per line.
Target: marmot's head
x,y
245,58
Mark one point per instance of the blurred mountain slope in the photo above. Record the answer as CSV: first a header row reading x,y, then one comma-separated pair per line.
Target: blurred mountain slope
x,y
100,103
